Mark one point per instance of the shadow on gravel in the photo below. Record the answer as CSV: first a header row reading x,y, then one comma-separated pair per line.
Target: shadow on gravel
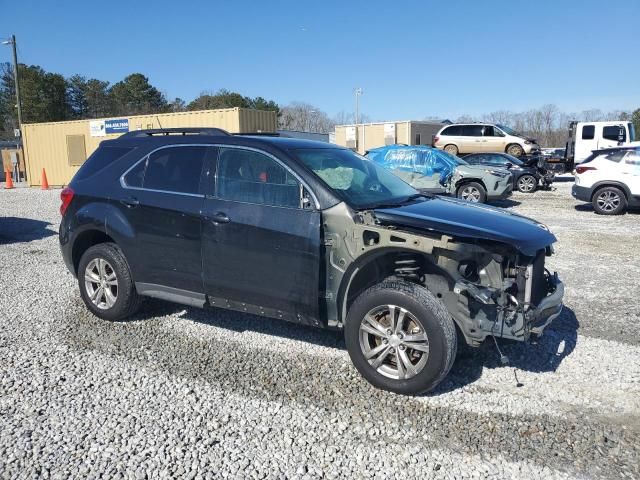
x,y
587,207
542,355
16,230
564,179
506,203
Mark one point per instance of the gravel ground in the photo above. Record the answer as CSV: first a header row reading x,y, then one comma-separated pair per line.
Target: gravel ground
x,y
181,392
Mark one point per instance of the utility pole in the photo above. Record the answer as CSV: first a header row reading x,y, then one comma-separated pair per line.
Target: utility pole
x,y
16,80
358,92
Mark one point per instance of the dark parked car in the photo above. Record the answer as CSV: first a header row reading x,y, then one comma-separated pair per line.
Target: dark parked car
x,y
307,232
528,173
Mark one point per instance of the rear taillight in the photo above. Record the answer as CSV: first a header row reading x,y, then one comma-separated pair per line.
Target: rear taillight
x,y
584,169
436,140
66,195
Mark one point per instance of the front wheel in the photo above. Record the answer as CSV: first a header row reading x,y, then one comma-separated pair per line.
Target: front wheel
x,y
609,201
527,184
400,337
472,192
106,285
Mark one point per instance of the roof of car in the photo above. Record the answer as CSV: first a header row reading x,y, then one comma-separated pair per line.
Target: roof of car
x,y
215,135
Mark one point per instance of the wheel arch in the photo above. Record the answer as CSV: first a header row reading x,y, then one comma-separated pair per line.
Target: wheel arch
x,y
375,266
610,183
86,240
465,180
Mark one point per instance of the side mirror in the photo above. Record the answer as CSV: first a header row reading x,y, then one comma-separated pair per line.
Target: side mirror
x,y
509,165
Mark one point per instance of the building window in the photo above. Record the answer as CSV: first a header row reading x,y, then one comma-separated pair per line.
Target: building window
x,y
76,151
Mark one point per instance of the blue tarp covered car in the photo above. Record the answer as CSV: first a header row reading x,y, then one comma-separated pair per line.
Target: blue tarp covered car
x,y
436,171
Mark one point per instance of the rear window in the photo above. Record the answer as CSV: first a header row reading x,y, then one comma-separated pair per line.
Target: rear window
x,y
99,160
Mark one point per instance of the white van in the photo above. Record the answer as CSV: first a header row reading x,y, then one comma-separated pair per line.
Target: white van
x,y
585,137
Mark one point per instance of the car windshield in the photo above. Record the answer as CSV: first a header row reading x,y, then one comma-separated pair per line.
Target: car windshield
x,y
632,132
452,158
508,130
356,179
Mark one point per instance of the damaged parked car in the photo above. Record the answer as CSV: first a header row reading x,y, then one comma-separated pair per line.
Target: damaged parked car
x,y
529,173
306,232
434,171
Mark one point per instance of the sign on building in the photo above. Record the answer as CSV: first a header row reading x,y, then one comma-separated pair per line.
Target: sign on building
x,y
117,125
96,128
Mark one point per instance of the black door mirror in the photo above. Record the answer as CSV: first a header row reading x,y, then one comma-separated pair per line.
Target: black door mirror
x,y
508,164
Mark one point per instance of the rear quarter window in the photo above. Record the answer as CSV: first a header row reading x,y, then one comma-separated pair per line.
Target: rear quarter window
x,y
99,160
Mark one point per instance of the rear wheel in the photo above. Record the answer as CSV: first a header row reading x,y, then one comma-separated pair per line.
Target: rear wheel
x,y
527,184
106,285
515,150
452,149
472,192
609,201
400,337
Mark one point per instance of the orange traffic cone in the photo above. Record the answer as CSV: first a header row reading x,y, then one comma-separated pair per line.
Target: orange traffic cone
x,y
44,184
8,180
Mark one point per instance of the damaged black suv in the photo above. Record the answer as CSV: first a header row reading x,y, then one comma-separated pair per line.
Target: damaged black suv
x,y
307,232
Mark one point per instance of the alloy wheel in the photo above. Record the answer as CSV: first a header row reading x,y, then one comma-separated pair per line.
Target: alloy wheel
x,y
526,184
608,201
470,194
101,283
394,342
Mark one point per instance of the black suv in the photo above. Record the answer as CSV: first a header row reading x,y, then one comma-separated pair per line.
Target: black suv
x,y
307,232
528,172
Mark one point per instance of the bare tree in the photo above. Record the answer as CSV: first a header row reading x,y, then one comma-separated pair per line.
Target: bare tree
x,y
305,118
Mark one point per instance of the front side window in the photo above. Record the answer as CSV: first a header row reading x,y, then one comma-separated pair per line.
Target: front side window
x,y
174,169
615,133
356,179
588,132
488,131
253,177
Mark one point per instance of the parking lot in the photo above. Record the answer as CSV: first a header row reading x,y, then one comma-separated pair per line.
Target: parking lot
x,y
211,393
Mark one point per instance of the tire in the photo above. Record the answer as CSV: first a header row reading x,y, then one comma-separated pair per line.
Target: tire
x,y
609,201
424,317
106,264
472,192
515,150
527,184
452,149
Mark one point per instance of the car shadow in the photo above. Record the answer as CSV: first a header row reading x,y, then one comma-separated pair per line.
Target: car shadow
x,y
17,230
545,354
506,203
587,207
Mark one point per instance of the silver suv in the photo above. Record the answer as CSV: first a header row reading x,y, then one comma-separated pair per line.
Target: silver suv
x,y
462,138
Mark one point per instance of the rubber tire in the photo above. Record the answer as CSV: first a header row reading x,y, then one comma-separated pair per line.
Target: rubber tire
x,y
621,208
457,151
483,192
535,182
520,149
435,319
128,301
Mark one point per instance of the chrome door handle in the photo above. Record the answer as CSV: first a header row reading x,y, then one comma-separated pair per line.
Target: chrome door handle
x,y
220,217
130,202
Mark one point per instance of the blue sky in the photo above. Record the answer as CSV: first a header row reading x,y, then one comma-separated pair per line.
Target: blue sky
x,y
412,58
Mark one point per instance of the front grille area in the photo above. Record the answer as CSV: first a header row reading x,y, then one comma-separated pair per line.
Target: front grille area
x,y
538,278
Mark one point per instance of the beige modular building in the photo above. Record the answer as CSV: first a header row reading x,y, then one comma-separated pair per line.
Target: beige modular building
x,y
62,147
365,136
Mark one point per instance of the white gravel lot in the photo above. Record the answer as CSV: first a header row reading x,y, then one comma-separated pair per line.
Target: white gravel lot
x,y
182,392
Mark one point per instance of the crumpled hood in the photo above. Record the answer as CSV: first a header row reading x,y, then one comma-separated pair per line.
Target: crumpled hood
x,y
470,220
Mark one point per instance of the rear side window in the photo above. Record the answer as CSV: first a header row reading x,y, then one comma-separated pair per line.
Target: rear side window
x,y
99,160
472,130
588,132
452,131
488,131
174,169
613,133
253,177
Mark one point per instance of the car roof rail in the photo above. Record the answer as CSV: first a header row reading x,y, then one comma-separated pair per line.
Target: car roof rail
x,y
152,132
